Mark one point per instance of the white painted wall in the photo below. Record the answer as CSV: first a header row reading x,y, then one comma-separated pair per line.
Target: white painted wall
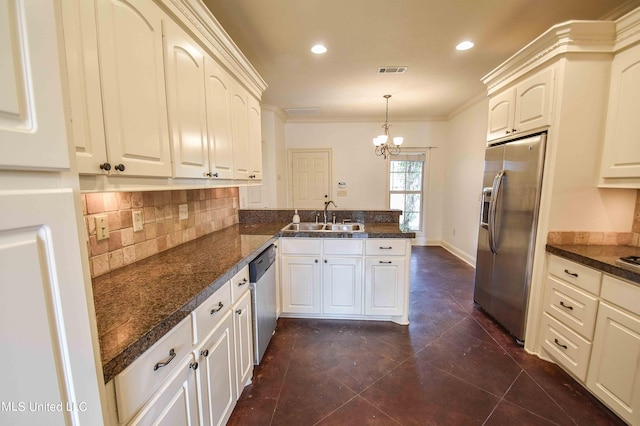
x,y
463,180
273,153
365,174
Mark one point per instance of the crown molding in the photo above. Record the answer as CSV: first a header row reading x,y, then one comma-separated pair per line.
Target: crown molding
x,y
279,112
628,29
195,15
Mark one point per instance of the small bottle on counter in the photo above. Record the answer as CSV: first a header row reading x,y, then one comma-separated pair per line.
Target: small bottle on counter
x,y
296,217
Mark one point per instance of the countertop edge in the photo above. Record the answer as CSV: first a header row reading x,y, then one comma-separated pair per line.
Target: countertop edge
x,y
606,267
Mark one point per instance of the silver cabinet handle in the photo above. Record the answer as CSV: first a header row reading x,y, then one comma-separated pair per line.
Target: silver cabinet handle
x,y
573,274
218,309
566,306
172,355
559,344
243,282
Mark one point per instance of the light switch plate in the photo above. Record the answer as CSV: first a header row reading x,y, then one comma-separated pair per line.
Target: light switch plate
x,y
102,227
137,221
184,211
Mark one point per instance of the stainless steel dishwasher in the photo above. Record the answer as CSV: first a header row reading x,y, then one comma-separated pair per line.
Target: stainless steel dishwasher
x,y
262,277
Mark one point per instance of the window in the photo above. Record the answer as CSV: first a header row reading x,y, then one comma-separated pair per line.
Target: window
x,y
406,188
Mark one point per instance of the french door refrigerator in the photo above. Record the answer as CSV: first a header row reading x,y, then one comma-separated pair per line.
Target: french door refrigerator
x,y
508,221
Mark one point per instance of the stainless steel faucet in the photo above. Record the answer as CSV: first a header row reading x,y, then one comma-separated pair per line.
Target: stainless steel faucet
x,y
326,207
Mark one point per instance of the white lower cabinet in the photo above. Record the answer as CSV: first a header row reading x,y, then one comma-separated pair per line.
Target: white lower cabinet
x,y
243,335
217,373
345,278
384,288
614,370
176,404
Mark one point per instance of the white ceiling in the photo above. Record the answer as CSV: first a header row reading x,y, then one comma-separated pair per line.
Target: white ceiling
x,y
362,35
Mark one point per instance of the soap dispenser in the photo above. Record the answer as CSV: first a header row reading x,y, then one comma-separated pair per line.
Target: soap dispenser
x,y
296,217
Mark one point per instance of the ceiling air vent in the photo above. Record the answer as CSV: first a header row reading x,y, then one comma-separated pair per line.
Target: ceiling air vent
x,y
392,70
302,112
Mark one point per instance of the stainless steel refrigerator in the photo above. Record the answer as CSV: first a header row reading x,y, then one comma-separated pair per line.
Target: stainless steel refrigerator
x,y
508,221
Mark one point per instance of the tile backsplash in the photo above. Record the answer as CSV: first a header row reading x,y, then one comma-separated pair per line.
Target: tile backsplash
x,y
601,238
209,210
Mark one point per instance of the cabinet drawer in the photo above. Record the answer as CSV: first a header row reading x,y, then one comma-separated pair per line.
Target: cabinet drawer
x,y
386,247
141,379
565,346
239,284
207,315
300,245
581,276
571,306
342,246
621,293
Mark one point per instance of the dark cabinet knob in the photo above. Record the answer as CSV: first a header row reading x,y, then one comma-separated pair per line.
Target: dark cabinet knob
x,y
507,132
105,166
193,365
214,175
205,353
119,167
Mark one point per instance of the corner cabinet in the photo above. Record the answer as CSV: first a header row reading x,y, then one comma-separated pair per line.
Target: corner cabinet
x,y
524,107
621,152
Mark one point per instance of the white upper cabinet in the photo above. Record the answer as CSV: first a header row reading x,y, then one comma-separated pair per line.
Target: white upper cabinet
x,y
255,139
524,107
218,93
32,120
621,153
240,130
186,101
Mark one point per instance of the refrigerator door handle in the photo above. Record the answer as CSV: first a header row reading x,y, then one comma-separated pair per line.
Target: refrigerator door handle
x,y
495,193
484,207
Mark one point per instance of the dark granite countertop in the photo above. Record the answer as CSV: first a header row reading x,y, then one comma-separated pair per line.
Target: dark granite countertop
x,y
602,258
138,304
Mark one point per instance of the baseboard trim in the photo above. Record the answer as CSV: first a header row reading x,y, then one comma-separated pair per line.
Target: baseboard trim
x,y
471,261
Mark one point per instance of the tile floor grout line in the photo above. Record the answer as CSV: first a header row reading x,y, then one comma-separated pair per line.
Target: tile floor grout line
x,y
502,398
284,376
550,397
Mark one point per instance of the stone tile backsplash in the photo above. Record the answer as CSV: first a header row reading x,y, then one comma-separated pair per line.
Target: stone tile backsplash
x,y
209,210
601,238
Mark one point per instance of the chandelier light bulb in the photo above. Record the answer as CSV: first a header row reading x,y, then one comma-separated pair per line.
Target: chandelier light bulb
x,y
398,140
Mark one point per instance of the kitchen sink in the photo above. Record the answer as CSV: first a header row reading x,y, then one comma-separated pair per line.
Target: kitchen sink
x,y
320,227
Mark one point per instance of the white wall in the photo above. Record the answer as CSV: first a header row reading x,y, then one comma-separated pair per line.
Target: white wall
x,y
365,174
273,158
463,180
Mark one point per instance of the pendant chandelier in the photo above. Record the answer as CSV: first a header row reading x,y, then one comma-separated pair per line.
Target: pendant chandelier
x,y
386,146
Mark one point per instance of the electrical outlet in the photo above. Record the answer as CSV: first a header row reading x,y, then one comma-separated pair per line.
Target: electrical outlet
x,y
184,211
137,221
102,227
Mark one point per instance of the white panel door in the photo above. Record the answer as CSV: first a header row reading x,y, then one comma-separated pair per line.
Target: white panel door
x,y
81,46
342,285
186,102
46,354
384,286
32,121
255,139
240,130
133,86
310,178
218,97
534,100
217,370
243,335
301,284
501,110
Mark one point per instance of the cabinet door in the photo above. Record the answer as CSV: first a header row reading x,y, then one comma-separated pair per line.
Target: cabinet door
x,y
342,285
133,86
240,130
32,121
614,370
384,286
186,102
46,353
218,94
243,334
621,154
176,403
255,139
301,284
217,371
501,107
81,45
533,102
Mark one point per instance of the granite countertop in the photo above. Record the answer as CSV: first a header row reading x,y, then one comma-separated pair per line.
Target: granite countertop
x,y
602,258
138,304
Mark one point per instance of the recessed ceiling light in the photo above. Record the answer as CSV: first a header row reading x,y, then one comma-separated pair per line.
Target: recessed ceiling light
x,y
319,49
465,45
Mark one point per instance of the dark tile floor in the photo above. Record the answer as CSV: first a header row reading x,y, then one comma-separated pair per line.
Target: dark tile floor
x,y
451,366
